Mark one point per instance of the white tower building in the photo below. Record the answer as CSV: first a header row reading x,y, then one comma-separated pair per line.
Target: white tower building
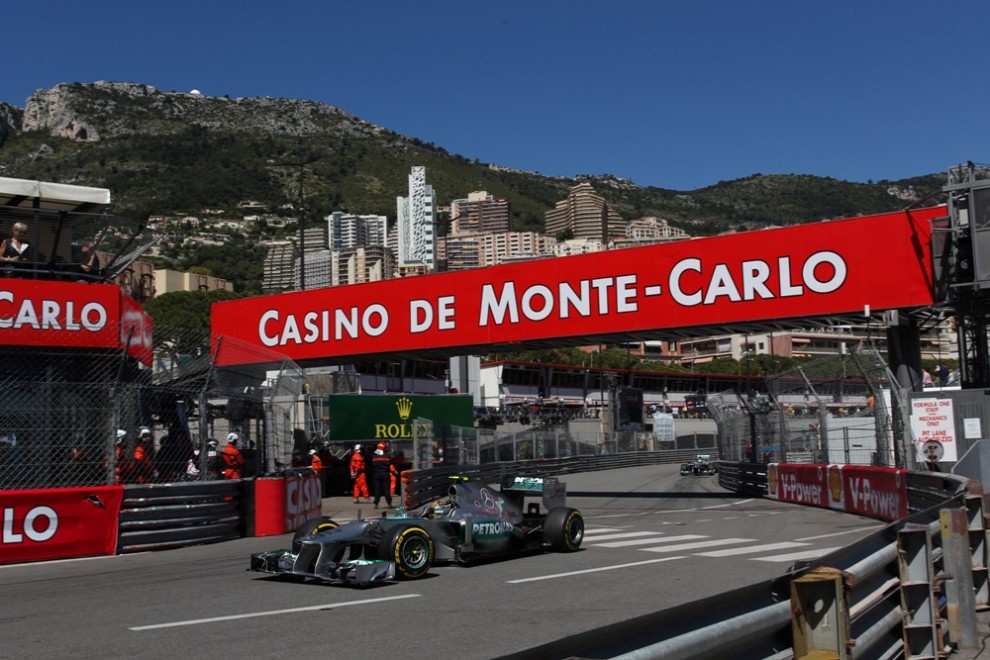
x,y
416,223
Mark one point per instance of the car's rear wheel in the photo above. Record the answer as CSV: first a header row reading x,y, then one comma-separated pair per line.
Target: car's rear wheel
x,y
310,527
410,548
563,529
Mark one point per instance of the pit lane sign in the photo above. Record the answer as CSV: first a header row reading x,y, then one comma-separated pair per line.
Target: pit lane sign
x,y
933,423
792,272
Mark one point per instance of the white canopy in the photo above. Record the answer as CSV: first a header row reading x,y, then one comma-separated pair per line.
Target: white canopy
x,y
52,196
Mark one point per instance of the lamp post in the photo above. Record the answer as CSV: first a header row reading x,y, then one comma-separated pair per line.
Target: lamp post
x,y
301,164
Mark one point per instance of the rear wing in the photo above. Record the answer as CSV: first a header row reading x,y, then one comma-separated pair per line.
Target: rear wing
x,y
553,491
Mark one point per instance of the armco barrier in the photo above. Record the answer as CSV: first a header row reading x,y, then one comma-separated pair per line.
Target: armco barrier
x,y
162,516
911,589
420,486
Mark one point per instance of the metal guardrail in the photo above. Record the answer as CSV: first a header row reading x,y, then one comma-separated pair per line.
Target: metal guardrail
x,y
871,589
420,486
162,516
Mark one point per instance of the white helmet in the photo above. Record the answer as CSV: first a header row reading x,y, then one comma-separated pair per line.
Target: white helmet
x,y
121,434
144,431
232,437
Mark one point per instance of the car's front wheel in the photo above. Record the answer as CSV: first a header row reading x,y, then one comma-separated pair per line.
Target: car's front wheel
x,y
410,548
563,529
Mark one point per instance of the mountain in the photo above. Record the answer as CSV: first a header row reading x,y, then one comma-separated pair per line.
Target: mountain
x,y
171,152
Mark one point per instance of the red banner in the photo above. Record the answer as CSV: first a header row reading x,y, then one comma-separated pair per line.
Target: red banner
x,y
869,491
874,492
302,500
800,271
72,314
59,523
135,329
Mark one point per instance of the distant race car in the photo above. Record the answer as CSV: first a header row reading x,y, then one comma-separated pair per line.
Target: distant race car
x,y
701,465
473,521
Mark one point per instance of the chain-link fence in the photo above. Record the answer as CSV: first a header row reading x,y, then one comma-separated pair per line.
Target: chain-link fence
x,y
829,410
77,416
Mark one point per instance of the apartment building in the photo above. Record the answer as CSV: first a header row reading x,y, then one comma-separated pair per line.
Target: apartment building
x,y
584,214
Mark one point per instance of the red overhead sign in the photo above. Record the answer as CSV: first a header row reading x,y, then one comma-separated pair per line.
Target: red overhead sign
x,y
835,267
72,314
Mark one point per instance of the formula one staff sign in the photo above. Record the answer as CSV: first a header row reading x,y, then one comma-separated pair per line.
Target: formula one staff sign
x,y
806,270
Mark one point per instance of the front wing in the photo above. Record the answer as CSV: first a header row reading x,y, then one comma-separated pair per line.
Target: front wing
x,y
322,562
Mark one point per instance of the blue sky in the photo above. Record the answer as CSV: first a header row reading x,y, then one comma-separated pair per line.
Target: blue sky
x,y
678,95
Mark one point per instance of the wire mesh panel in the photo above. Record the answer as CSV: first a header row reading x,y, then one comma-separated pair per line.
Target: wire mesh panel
x,y
77,416
828,410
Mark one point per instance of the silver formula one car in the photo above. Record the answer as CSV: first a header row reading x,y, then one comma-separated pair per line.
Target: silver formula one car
x,y
473,521
702,465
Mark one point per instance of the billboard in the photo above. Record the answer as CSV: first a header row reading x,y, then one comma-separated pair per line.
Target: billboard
x,y
363,417
810,270
48,313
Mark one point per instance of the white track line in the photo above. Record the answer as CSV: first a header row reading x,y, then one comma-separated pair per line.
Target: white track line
x,y
591,570
249,615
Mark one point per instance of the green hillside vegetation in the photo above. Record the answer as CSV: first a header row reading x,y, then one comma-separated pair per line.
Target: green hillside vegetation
x,y
176,154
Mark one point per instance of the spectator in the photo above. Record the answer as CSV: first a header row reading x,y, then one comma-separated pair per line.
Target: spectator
x,y
943,374
14,251
192,467
143,470
358,475
233,460
381,467
90,264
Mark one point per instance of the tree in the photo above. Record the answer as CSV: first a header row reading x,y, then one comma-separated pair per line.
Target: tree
x,y
182,319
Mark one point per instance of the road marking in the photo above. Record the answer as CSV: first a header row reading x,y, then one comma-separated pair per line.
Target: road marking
x,y
722,506
848,531
622,535
249,615
653,539
592,570
751,548
699,544
794,556
601,530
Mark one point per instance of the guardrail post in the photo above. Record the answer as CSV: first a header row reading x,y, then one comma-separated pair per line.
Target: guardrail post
x,y
820,615
958,562
919,607
976,523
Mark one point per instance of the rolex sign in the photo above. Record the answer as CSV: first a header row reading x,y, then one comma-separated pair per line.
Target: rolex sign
x,y
389,417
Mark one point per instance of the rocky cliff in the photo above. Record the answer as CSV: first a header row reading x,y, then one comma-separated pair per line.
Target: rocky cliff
x,y
94,111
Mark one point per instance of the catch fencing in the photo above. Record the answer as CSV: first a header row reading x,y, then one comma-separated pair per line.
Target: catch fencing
x,y
840,409
72,416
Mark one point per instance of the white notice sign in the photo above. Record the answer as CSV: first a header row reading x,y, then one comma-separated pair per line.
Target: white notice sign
x,y
932,421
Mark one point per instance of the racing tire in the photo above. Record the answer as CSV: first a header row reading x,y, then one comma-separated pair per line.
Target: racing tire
x,y
563,529
410,548
310,527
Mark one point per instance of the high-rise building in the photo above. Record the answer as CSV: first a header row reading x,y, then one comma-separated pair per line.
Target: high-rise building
x,y
584,214
361,264
347,230
280,265
480,213
416,224
503,247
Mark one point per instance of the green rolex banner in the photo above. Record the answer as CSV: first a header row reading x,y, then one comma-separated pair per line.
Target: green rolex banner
x,y
361,417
